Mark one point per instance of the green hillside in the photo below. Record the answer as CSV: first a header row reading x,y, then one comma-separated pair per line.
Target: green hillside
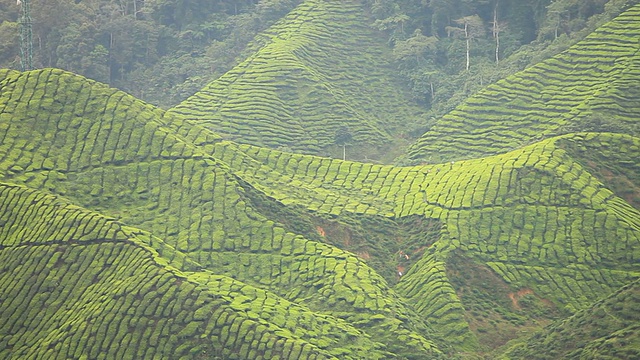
x,y
131,232
290,255
106,151
75,284
318,72
615,164
592,86
609,329
533,220
6,72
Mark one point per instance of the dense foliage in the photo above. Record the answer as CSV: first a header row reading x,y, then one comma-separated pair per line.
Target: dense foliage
x,y
165,50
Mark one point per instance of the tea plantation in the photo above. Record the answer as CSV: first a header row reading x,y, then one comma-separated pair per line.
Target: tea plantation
x,y
130,232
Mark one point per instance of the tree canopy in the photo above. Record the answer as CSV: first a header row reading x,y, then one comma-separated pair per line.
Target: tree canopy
x,y
165,50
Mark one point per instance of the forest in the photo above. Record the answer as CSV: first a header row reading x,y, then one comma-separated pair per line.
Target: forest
x,y
163,51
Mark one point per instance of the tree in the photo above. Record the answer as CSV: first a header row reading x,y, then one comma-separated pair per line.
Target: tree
x,y
472,27
569,16
417,57
96,64
74,44
497,27
343,137
442,13
50,22
9,45
414,47
393,25
131,43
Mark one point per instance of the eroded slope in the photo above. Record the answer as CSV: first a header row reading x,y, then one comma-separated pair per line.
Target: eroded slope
x,y
535,218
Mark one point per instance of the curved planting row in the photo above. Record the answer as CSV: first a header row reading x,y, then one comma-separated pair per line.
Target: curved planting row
x,y
612,159
319,72
6,72
593,85
63,112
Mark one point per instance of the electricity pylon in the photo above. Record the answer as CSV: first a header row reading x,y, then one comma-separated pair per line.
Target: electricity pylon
x,y
26,43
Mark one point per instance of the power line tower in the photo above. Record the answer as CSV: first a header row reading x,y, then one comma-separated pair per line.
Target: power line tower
x,y
26,43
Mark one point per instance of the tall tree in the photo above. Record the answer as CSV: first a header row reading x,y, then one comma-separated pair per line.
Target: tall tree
x,y
497,27
469,28
342,138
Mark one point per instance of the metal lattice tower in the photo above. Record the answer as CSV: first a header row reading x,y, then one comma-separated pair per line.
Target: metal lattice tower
x,y
26,43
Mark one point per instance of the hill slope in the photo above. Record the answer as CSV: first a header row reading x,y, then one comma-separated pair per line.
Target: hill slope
x,y
317,71
609,329
111,153
377,260
534,221
75,284
591,86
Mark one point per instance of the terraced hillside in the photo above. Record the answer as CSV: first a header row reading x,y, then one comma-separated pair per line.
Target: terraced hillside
x,y
592,86
319,72
533,224
75,284
270,253
103,150
609,329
